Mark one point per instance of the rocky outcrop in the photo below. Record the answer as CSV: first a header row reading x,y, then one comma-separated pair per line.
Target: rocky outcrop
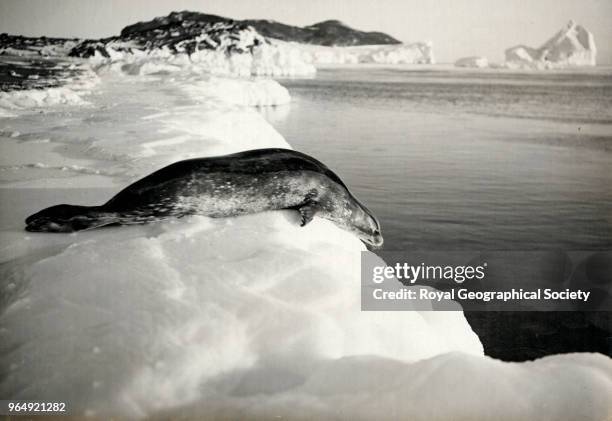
x,y
572,46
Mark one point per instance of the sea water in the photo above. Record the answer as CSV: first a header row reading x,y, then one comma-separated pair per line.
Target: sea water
x,y
454,159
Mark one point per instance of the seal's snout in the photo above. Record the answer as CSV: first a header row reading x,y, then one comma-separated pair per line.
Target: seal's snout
x,y
376,240
366,226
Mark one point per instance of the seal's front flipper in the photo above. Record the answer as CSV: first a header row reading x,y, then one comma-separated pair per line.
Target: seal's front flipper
x,y
307,212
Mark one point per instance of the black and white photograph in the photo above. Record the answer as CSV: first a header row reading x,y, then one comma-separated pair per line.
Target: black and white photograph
x,y
306,210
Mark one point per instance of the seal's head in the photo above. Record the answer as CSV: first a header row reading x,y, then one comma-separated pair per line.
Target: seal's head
x,y
60,218
365,225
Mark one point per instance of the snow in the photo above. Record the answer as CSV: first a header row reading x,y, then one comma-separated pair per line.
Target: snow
x,y
474,61
166,324
70,93
572,46
258,92
247,58
4,112
35,47
246,317
39,98
266,60
452,386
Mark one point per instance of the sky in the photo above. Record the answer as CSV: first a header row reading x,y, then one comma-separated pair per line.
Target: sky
x,y
457,28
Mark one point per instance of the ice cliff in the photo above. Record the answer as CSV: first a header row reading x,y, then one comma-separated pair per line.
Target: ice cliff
x,y
416,53
572,46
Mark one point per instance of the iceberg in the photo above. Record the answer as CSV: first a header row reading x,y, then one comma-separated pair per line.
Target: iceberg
x,y
572,46
474,61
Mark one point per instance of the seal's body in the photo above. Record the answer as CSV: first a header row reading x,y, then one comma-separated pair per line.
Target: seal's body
x,y
242,183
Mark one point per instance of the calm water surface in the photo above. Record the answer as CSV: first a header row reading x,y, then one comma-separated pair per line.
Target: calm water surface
x,y
465,160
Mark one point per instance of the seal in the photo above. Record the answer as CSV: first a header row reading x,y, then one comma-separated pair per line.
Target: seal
x,y
242,183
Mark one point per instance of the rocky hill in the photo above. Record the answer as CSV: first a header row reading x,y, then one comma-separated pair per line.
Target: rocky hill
x,y
328,33
188,32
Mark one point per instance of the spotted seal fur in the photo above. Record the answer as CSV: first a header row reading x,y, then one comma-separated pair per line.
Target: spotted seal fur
x,y
222,186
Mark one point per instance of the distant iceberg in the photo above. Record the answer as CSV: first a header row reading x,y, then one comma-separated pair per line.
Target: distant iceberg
x,y
572,46
474,61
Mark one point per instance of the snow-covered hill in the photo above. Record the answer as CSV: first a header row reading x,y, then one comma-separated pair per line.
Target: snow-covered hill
x,y
328,33
220,45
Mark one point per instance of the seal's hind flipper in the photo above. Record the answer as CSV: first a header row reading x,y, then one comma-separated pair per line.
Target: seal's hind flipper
x,y
307,212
